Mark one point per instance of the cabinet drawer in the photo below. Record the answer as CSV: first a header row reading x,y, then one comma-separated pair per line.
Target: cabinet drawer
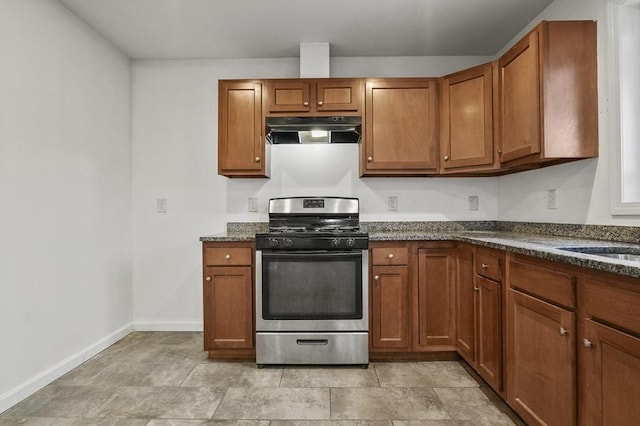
x,y
549,284
227,256
389,255
612,305
489,263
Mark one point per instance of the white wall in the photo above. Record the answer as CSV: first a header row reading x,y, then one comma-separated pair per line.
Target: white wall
x,y
175,157
583,188
65,195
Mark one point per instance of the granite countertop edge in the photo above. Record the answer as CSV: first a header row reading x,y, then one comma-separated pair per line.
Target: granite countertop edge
x,y
532,244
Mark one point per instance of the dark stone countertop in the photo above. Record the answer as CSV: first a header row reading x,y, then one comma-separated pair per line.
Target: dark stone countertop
x,y
537,243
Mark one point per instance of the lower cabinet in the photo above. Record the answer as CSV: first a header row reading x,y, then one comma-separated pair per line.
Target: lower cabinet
x,y
434,301
229,326
389,298
541,338
479,311
609,352
412,294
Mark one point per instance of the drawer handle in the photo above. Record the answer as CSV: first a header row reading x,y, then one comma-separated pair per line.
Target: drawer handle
x,y
376,277
369,159
305,103
475,288
485,266
257,159
320,103
390,256
446,158
563,331
228,256
586,343
207,279
312,341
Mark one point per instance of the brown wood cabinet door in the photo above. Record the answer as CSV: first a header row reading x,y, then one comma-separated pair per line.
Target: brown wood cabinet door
x,y
400,123
240,139
228,308
465,304
390,307
541,364
434,328
288,96
489,329
610,384
520,105
466,120
339,95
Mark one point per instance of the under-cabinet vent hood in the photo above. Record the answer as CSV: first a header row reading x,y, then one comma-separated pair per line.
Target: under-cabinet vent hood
x,y
292,130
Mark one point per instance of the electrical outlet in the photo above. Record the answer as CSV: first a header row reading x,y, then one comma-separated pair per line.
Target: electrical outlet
x,y
473,202
253,204
392,203
161,205
552,199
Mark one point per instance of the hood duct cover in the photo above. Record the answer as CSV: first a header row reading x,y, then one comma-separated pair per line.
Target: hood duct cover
x,y
292,130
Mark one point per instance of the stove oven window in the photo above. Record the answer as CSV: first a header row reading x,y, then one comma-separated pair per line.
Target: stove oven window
x,y
310,286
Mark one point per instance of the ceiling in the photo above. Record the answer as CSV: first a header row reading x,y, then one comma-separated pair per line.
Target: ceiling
x,y
191,29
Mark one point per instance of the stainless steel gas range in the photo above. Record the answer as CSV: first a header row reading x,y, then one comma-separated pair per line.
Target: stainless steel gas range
x,y
311,283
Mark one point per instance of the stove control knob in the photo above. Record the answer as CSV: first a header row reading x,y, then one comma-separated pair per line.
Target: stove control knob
x,y
351,242
273,242
335,242
287,242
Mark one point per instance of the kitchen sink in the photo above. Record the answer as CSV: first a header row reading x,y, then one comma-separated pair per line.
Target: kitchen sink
x,y
619,253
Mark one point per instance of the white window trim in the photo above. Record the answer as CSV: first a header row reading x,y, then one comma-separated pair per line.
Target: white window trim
x,y
618,207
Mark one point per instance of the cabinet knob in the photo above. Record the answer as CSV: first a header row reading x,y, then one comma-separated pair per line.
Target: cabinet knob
x,y
228,256
257,159
563,331
207,279
485,266
499,152
446,158
376,277
390,256
586,343
475,288
369,159
320,103
305,103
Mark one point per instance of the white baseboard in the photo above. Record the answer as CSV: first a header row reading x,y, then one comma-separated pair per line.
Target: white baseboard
x,y
168,326
37,382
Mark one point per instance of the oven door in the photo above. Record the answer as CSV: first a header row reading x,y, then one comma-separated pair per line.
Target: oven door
x,y
312,290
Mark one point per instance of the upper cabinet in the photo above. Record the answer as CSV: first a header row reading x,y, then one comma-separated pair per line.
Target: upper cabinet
x,y
467,120
241,147
400,127
327,96
548,106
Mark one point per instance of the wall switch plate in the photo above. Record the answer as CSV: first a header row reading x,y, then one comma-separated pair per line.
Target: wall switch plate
x,y
473,202
253,204
552,199
161,205
392,203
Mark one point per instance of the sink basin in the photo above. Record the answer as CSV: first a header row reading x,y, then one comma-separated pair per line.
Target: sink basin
x,y
619,253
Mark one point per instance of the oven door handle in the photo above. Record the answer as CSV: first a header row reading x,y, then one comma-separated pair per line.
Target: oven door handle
x,y
311,253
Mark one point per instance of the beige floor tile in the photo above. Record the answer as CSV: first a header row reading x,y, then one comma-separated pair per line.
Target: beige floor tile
x,y
329,377
232,374
423,374
274,403
164,402
174,422
461,394
52,421
433,423
64,402
389,403
481,413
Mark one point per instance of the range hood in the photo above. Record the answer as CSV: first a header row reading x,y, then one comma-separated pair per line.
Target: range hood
x,y
293,130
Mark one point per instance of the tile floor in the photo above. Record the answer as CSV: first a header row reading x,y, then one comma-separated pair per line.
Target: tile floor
x,y
164,378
